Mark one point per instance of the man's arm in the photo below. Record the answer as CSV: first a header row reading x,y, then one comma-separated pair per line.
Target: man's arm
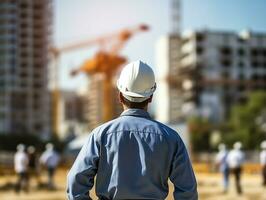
x,y
80,178
182,175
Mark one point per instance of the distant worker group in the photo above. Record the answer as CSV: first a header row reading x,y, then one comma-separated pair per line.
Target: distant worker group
x,y
27,165
231,162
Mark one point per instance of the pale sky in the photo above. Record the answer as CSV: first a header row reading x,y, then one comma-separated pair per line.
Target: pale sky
x,y
84,19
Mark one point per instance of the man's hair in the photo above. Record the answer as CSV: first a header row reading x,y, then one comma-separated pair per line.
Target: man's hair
x,y
137,105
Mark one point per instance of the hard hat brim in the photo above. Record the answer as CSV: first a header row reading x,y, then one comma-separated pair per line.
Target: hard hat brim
x,y
135,94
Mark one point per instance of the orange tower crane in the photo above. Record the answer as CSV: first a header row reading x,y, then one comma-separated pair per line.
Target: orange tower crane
x,y
106,61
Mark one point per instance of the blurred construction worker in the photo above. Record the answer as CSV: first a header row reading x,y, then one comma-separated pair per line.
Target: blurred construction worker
x,y
21,162
33,164
235,161
221,161
50,159
263,162
133,155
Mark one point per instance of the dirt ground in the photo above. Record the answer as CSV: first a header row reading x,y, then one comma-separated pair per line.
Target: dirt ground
x,y
208,186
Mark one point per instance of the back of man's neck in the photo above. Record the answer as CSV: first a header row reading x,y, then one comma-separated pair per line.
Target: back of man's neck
x,y
126,108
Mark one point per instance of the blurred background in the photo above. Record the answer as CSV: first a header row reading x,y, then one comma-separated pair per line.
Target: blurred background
x,y
59,61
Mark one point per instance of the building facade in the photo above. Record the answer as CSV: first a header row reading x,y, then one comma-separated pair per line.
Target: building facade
x,y
25,33
71,115
167,62
215,70
94,111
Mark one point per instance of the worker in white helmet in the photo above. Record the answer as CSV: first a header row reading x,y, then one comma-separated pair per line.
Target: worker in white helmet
x,y
21,162
263,162
133,155
50,159
221,161
235,161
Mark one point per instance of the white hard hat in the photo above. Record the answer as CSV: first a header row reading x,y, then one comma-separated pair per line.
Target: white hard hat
x,y
49,146
263,144
222,147
21,147
136,81
31,149
238,145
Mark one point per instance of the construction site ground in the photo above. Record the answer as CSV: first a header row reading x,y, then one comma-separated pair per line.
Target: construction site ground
x,y
209,187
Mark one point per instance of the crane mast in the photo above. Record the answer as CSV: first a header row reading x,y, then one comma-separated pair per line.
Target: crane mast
x,y
176,17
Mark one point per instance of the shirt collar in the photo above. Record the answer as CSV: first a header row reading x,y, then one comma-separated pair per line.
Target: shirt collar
x,y
136,112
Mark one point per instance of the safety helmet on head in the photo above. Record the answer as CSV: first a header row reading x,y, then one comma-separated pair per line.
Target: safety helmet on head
x,y
222,147
31,149
21,147
49,146
263,144
136,81
238,145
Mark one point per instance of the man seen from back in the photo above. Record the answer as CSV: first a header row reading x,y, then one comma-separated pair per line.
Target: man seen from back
x,y
133,155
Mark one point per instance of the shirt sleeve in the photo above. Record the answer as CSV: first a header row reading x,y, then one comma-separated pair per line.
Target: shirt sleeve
x,y
26,160
242,158
263,158
43,158
218,158
182,175
80,178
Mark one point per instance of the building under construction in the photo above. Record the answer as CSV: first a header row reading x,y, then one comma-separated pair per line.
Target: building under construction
x,y
94,109
208,73
72,106
25,33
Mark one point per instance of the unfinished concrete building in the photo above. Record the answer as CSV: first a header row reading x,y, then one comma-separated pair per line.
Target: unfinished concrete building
x,y
25,33
216,70
167,62
72,106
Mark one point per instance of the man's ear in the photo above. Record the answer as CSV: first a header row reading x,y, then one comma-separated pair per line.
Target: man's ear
x,y
150,99
120,97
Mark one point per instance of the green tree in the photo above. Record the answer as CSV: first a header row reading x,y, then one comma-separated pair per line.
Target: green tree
x,y
9,142
243,121
200,133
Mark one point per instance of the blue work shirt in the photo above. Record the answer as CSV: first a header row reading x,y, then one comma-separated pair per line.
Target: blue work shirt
x,y
133,157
